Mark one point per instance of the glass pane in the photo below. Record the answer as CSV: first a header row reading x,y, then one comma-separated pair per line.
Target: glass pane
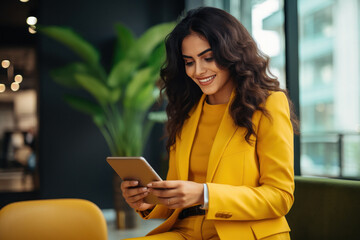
x,y
214,3
320,154
268,31
351,153
329,87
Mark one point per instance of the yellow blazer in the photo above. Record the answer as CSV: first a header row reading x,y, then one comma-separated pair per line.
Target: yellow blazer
x,y
250,185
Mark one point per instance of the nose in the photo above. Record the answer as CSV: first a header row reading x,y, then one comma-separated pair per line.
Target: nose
x,y
199,69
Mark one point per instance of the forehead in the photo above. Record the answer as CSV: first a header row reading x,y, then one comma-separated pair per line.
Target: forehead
x,y
194,44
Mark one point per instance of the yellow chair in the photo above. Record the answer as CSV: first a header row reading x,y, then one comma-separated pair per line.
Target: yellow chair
x,y
65,219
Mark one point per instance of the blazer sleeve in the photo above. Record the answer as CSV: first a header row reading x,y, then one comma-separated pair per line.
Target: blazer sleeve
x,y
273,197
161,211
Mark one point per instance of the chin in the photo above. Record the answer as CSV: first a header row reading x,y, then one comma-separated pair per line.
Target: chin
x,y
208,91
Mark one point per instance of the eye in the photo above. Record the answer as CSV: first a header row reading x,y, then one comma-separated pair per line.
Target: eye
x,y
209,59
189,64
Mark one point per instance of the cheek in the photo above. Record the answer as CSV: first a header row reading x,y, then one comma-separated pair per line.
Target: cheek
x,y
224,74
188,71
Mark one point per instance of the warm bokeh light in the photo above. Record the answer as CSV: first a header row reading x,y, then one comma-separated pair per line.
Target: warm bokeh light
x,y
32,29
24,0
2,88
5,63
15,86
18,78
31,20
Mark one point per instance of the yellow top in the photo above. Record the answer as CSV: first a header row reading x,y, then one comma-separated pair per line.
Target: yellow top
x,y
205,134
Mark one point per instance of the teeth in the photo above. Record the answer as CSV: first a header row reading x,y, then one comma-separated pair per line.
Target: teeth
x,y
207,79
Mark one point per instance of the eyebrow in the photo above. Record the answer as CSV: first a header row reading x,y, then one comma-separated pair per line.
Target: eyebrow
x,y
200,54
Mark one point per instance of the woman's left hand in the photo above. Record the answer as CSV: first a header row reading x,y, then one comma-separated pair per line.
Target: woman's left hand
x,y
178,194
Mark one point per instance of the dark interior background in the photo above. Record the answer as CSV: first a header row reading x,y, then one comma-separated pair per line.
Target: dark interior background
x,y
72,151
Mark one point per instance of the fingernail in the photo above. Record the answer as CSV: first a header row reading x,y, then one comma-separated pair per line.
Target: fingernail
x,y
149,185
144,189
134,183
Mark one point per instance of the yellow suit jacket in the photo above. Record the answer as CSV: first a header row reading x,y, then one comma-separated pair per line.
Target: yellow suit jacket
x,y
250,185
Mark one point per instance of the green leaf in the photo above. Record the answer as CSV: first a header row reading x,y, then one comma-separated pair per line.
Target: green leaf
x,y
138,54
99,120
149,40
157,57
65,76
133,133
140,79
95,87
74,41
160,116
122,72
83,105
141,92
143,100
147,99
125,39
115,95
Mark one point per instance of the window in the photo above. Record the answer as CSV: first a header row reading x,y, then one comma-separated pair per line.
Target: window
x,y
329,87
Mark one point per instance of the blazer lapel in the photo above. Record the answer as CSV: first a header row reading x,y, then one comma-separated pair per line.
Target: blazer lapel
x,y
184,144
225,132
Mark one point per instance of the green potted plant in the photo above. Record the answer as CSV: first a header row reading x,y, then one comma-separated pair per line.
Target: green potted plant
x,y
121,99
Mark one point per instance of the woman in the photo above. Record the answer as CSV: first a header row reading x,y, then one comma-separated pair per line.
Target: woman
x,y
230,137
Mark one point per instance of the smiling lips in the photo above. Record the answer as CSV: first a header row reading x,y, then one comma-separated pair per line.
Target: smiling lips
x,y
206,81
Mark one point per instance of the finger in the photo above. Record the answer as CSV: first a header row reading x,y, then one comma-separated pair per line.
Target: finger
x,y
128,184
171,203
164,193
130,192
136,198
175,206
164,184
142,206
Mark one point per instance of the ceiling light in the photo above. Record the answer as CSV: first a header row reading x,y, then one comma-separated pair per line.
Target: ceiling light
x,y
24,0
5,63
18,78
31,20
32,29
15,86
2,88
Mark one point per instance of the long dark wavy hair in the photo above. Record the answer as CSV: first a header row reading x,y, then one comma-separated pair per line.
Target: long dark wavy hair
x,y
234,49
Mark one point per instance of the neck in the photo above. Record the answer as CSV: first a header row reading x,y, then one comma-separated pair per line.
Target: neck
x,y
222,98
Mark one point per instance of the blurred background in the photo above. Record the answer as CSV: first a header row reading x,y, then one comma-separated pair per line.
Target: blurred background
x,y
68,150
48,150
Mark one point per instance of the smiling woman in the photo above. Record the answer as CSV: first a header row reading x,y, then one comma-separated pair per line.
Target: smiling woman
x,y
230,139
201,67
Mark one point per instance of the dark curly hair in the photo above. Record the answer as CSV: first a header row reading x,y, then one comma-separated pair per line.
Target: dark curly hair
x,y
233,48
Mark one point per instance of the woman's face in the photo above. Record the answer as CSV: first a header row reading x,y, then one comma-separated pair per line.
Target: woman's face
x,y
201,67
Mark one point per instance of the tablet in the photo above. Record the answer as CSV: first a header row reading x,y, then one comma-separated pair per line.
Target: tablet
x,y
135,168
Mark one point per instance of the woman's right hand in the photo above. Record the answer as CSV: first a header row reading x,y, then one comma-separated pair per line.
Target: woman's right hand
x,y
134,195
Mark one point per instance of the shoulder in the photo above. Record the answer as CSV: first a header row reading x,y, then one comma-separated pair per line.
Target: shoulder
x,y
277,101
275,98
276,121
275,105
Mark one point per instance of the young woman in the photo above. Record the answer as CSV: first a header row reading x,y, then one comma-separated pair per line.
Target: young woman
x,y
230,137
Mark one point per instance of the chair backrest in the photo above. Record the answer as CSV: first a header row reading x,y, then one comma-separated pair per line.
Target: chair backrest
x,y
325,209
68,219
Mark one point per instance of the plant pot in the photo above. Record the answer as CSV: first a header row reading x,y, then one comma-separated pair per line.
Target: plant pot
x,y
125,216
